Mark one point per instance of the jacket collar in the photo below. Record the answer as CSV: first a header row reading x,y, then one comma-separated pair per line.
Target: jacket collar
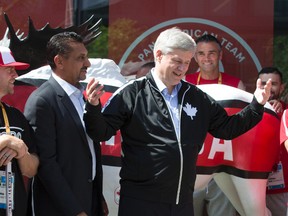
x,y
183,88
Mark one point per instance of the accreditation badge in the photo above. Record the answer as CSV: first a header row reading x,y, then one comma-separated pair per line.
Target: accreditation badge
x,y
276,178
3,190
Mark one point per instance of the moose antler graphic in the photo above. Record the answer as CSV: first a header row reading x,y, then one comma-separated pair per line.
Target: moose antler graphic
x,y
32,49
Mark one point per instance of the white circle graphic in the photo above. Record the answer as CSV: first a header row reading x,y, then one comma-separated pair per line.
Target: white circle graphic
x,y
190,20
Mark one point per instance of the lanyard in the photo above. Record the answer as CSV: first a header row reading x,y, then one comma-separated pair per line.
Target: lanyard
x,y
219,78
8,170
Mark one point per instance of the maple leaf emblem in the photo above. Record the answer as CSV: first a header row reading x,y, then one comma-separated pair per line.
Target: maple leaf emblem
x,y
190,111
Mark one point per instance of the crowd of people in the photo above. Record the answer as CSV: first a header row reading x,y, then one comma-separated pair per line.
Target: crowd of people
x,y
56,141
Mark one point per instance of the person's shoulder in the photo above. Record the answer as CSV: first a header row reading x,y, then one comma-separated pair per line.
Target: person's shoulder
x,y
231,80
45,88
12,110
192,87
44,94
192,77
143,81
230,77
127,87
140,83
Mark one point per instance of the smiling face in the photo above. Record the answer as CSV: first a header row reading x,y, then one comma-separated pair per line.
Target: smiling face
x,y
208,55
172,67
73,66
7,79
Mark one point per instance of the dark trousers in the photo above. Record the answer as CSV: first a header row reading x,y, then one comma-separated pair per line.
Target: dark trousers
x,y
130,207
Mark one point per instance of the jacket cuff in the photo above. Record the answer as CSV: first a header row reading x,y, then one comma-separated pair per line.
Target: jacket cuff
x,y
257,107
91,109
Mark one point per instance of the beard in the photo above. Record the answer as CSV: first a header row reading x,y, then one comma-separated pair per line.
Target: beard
x,y
274,96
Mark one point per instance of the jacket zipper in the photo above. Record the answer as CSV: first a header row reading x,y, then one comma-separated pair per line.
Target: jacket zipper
x,y
180,150
179,142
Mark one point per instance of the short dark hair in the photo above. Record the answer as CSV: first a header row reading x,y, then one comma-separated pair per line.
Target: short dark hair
x,y
208,38
271,70
59,44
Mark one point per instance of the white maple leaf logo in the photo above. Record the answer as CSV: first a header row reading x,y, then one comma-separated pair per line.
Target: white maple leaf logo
x,y
190,111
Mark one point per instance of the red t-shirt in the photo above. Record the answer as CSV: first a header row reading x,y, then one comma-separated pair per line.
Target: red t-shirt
x,y
226,80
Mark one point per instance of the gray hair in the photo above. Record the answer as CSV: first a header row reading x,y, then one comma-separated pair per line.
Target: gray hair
x,y
172,39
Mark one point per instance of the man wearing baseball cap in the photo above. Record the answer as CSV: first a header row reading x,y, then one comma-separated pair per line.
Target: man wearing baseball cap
x,y
7,59
17,151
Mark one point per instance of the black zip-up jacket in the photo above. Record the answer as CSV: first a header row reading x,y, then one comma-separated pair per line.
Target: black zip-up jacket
x,y
156,165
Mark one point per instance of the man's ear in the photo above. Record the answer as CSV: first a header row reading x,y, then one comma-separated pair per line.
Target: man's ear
x,y
159,55
58,60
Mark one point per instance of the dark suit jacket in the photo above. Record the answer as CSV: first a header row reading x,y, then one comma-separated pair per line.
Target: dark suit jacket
x,y
63,185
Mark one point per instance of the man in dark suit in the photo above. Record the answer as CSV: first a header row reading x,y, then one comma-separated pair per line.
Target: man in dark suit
x,y
69,181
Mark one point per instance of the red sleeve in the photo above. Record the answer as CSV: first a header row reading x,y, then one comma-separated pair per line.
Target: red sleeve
x,y
284,127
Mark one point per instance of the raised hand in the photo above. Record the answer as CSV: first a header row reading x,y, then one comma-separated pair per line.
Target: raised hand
x,y
262,94
94,91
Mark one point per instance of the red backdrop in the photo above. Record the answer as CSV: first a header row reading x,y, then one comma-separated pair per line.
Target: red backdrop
x,y
245,30
56,13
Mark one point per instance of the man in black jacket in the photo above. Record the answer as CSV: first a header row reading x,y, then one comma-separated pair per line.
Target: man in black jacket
x,y
164,121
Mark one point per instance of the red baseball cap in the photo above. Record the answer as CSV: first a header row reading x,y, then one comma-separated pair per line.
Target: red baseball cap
x,y
7,60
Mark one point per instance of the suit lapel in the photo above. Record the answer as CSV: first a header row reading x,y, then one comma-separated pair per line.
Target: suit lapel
x,y
69,106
